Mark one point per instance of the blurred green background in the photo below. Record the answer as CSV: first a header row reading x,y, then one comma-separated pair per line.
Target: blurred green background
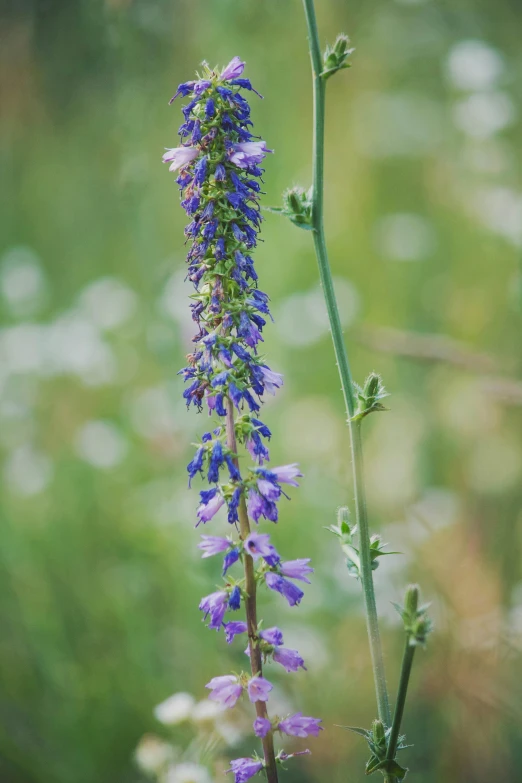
x,y
100,577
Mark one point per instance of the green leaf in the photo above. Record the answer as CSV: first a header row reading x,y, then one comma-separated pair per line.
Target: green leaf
x,y
357,730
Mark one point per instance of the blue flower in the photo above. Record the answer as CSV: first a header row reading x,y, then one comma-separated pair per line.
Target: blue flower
x,y
234,602
230,558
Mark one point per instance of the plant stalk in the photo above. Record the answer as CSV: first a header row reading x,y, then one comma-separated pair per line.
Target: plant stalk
x,y
407,662
343,365
251,605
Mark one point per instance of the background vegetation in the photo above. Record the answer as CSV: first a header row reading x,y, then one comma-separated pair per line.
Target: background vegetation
x,y
99,576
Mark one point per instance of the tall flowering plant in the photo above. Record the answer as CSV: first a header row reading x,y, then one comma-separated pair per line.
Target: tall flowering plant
x,y
218,172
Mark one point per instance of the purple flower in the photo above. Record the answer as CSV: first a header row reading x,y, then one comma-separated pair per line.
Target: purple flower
x,y
268,489
290,591
258,689
230,558
234,69
245,768
259,506
261,727
296,569
299,725
290,659
234,602
248,153
213,545
272,635
210,504
272,380
180,156
286,474
215,605
216,460
226,689
258,545
234,628
196,464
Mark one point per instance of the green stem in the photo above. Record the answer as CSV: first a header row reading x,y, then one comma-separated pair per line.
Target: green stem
x,y
344,366
407,662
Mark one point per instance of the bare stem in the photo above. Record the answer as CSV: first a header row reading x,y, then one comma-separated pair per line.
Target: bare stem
x,y
344,366
251,605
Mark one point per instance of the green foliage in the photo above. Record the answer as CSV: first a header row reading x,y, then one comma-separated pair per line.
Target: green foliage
x,y
297,206
336,56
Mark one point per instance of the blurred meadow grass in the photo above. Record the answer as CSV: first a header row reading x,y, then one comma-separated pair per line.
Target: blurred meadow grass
x,y
100,577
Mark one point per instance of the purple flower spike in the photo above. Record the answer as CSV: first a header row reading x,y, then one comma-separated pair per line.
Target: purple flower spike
x,y
300,725
290,659
272,635
180,156
213,545
261,727
226,690
234,628
248,153
215,605
296,569
286,474
258,689
244,769
233,70
292,593
258,545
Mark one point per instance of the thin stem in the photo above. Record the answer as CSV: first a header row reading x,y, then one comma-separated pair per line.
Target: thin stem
x,y
344,366
251,605
407,662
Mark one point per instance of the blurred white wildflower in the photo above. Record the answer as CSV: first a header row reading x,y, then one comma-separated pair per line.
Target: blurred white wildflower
x,y
22,282
28,471
101,444
188,772
75,346
108,303
404,237
175,709
481,115
474,65
500,209
206,711
153,754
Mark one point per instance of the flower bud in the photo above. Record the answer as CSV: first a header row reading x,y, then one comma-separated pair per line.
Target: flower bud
x,y
411,600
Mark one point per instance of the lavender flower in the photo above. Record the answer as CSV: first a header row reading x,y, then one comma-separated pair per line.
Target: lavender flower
x,y
244,769
261,727
210,504
234,69
231,558
215,605
226,690
258,689
248,153
272,636
180,156
258,545
296,569
213,545
299,725
292,593
234,628
290,659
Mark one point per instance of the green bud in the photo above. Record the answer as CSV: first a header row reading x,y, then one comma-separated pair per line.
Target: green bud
x,y
343,518
379,735
371,385
335,57
411,600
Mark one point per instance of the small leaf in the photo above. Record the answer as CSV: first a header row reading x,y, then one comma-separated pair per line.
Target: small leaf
x,y
357,730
